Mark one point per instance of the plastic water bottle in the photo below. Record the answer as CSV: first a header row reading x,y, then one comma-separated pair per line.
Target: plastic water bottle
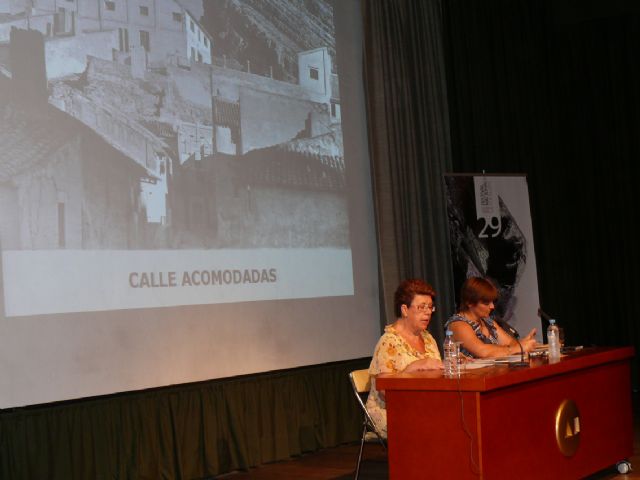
x,y
553,338
450,350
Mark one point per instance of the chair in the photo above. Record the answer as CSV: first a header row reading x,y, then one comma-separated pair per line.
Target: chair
x,y
361,383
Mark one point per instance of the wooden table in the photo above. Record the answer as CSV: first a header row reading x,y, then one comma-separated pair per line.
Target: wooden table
x,y
545,421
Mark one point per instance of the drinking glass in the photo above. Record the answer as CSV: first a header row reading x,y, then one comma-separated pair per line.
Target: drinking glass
x,y
461,363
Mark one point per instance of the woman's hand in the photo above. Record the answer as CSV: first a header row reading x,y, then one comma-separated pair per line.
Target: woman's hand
x,y
464,358
529,342
424,364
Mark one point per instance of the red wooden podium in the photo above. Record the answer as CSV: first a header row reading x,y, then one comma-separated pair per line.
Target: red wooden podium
x,y
558,421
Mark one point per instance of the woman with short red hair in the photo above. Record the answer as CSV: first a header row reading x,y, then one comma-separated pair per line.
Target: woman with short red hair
x,y
406,345
479,334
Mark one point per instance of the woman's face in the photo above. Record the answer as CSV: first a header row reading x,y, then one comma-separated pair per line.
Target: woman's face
x,y
481,309
419,312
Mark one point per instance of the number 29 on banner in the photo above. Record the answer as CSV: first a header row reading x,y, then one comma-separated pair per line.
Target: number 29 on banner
x,y
487,207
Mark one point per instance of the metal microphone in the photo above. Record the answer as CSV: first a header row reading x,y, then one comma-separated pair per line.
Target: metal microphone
x,y
507,328
516,336
545,324
522,362
543,315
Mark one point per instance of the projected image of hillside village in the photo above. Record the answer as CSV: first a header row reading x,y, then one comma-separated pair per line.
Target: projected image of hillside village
x,y
170,124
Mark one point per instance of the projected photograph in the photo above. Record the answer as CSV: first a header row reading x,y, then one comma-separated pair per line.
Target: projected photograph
x,y
169,152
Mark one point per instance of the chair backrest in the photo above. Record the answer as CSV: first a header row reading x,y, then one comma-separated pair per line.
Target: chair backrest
x,y
361,380
361,384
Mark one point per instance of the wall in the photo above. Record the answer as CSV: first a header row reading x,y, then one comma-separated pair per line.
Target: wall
x,y
9,225
68,55
267,119
192,85
320,60
110,205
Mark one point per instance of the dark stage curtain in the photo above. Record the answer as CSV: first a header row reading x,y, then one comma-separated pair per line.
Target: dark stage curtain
x,y
409,146
184,432
548,88
552,89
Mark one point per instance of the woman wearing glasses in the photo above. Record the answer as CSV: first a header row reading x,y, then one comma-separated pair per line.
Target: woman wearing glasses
x,y
472,325
406,345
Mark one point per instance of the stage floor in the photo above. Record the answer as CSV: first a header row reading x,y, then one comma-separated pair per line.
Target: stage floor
x,y
339,463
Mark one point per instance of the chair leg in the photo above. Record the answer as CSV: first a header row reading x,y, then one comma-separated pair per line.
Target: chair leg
x,y
364,432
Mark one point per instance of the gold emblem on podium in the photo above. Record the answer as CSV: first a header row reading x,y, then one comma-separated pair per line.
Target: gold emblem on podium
x,y
568,428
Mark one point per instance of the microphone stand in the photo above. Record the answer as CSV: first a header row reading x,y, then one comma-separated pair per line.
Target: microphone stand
x,y
513,333
522,362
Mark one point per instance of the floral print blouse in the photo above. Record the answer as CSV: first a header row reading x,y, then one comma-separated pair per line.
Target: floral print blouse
x,y
391,355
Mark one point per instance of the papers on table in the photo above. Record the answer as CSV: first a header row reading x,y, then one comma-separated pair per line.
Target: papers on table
x,y
472,365
487,362
508,359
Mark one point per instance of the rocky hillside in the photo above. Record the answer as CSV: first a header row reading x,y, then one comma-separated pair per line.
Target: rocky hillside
x,y
268,33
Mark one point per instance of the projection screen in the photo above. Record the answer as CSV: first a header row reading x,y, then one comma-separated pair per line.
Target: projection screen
x,y
184,193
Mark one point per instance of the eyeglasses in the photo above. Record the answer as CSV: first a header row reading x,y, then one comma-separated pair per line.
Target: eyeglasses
x,y
425,307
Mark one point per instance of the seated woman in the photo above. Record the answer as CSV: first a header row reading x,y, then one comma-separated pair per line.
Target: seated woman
x,y
472,325
406,345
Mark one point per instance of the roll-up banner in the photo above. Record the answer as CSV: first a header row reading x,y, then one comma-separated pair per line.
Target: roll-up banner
x,y
491,236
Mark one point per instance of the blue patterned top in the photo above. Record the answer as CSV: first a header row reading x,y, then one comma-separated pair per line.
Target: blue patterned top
x,y
493,332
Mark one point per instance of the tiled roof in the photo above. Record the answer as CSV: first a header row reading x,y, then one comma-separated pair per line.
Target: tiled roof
x,y
225,113
166,133
28,137
29,134
278,166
